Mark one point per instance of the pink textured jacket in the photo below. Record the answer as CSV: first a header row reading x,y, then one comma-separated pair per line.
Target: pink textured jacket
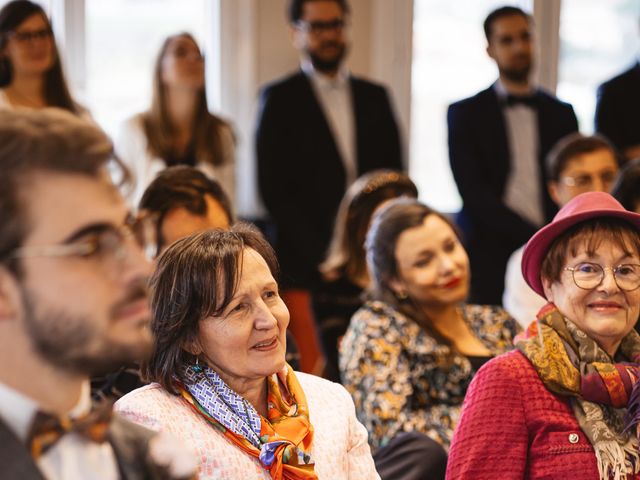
x,y
512,427
340,447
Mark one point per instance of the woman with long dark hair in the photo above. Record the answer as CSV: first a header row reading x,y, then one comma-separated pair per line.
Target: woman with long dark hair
x,y
31,73
178,128
221,383
412,349
344,270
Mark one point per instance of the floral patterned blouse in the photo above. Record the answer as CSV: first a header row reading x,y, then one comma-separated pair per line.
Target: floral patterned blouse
x,y
402,379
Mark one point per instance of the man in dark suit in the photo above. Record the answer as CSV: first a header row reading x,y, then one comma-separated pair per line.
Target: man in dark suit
x,y
498,140
318,130
73,303
617,111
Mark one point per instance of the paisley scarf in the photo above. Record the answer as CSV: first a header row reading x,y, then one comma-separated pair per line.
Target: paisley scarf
x,y
281,442
571,363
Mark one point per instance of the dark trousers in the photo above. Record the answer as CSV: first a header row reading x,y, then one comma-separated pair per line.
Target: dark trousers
x,y
411,456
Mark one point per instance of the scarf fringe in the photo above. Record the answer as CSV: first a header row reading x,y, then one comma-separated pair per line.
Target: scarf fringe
x,y
632,417
610,466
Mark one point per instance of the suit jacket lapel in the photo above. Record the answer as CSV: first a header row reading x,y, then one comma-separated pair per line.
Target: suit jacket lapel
x,y
357,106
15,460
545,131
493,115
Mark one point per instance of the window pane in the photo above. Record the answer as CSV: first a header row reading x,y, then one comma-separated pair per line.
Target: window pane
x,y
449,63
123,39
597,41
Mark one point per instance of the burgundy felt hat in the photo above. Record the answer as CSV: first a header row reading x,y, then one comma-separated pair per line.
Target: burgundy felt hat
x,y
583,207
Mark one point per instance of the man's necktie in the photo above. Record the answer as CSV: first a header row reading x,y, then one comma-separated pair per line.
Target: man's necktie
x,y
527,100
47,429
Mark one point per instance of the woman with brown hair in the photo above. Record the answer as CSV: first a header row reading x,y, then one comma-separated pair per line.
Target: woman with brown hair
x,y
178,128
31,73
411,350
344,271
554,407
223,385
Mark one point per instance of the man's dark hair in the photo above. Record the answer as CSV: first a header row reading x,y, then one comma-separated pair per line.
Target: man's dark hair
x,y
627,187
571,146
186,187
42,141
296,7
499,13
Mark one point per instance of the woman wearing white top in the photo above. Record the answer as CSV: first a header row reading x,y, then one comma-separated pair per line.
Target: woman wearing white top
x,y
178,128
31,73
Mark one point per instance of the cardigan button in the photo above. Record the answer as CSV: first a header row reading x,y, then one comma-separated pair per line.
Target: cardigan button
x,y
574,438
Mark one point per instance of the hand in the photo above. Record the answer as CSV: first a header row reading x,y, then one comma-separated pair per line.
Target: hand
x,y
173,461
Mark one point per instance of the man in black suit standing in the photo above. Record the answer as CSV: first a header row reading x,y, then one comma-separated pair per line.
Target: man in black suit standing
x,y
498,140
618,109
318,130
73,303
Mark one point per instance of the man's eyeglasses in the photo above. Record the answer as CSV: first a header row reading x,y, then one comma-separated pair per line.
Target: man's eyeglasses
x,y
107,244
587,275
587,181
27,36
319,27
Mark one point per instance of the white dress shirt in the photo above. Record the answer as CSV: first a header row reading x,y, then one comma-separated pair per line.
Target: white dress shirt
x,y
522,193
518,298
73,457
334,96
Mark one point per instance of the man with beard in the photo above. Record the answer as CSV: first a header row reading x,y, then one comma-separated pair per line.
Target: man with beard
x,y
318,130
73,303
498,140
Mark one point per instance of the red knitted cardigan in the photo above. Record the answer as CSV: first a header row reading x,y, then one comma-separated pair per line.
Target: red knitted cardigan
x,y
512,427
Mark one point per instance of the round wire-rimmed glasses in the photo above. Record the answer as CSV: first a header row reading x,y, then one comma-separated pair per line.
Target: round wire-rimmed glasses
x,y
588,275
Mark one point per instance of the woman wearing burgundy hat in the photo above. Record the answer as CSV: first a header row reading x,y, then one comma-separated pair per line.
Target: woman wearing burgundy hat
x,y
555,406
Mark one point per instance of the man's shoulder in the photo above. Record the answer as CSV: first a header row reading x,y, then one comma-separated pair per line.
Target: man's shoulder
x,y
285,84
366,84
622,80
477,101
553,101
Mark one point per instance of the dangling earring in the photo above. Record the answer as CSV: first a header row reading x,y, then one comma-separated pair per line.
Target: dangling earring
x,y
402,295
196,366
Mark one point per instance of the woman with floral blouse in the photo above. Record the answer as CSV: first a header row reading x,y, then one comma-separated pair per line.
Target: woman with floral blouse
x,y
412,349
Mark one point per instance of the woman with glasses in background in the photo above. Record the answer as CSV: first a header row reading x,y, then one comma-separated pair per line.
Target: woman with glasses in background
x,y
576,164
555,406
178,128
31,73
